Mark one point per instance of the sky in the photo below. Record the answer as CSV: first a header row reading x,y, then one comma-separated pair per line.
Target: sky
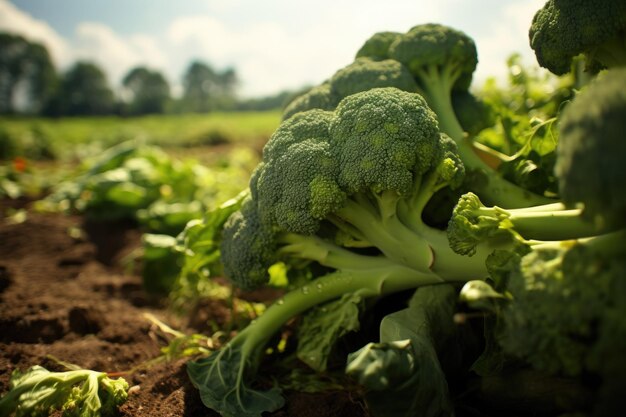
x,y
273,45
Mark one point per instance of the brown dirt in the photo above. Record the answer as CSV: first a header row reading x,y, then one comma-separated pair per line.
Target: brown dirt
x,y
70,298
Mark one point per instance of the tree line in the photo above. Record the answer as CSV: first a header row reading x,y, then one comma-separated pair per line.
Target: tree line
x,y
30,84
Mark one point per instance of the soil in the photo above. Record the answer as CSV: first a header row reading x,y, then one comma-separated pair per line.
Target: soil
x,y
65,294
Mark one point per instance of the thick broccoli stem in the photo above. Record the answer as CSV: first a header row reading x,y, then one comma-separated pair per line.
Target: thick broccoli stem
x,y
328,254
379,224
436,86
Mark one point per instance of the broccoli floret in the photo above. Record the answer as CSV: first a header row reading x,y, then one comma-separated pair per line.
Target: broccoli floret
x,y
367,175
377,46
442,61
564,29
591,150
319,97
361,75
364,74
248,247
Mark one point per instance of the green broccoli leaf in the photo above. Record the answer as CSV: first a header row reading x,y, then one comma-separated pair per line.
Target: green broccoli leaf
x,y
323,326
402,373
81,392
221,383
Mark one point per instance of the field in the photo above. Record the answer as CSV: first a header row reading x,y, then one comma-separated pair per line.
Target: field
x,y
66,289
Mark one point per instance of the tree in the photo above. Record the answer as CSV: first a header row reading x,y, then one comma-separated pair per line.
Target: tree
x,y
206,89
27,75
148,91
83,90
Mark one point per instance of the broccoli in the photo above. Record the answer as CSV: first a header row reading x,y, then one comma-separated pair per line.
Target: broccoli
x,y
442,61
472,222
564,29
473,114
364,172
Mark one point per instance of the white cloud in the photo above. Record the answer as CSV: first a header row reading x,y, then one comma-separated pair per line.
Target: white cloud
x,y
279,44
507,35
114,53
16,21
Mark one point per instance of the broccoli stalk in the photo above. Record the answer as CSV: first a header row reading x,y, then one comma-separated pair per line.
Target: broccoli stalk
x,y
472,222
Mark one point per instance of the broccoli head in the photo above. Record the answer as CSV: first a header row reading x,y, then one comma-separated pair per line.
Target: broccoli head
x,y
377,46
564,29
436,51
592,150
364,74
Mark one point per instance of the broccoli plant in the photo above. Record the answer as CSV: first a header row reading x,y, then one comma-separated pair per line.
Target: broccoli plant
x,y
344,190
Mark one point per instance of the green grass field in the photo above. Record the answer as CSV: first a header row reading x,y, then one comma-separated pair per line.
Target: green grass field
x,y
64,136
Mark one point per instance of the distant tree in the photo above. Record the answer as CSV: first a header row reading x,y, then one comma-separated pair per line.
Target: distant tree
x,y
206,89
149,91
83,90
27,75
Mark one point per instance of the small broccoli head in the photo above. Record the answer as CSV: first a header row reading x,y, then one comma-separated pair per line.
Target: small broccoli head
x,y
472,223
434,46
563,29
364,74
318,97
448,164
248,247
592,150
377,46
382,138
310,124
296,184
